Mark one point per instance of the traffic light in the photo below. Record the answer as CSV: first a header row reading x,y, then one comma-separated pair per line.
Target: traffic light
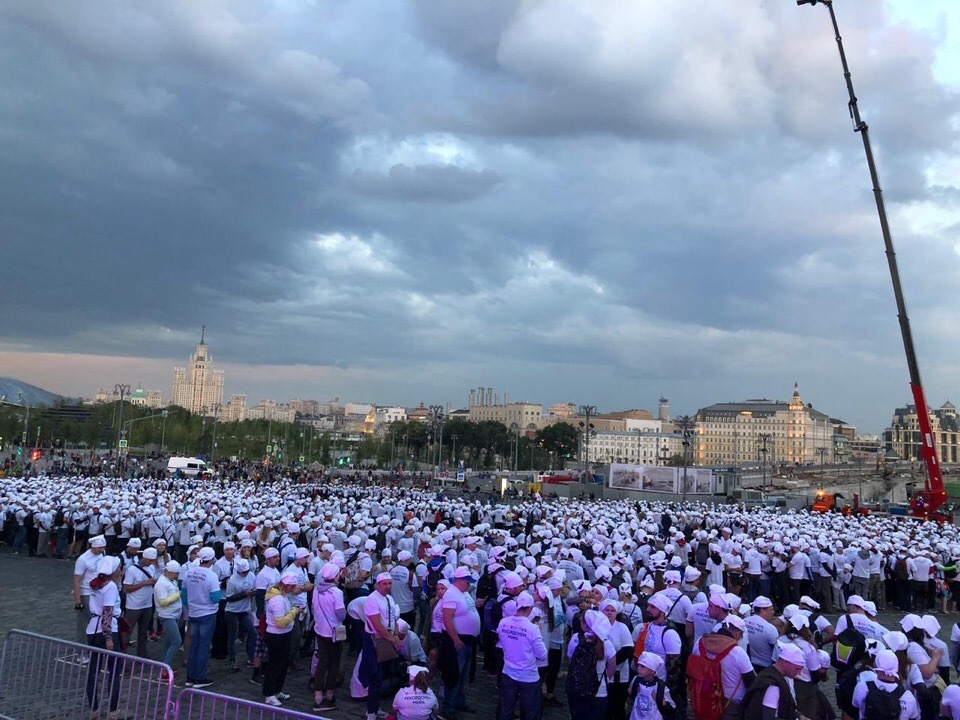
x,y
35,455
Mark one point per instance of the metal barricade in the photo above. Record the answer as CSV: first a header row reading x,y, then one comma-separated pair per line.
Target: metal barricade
x,y
203,705
42,678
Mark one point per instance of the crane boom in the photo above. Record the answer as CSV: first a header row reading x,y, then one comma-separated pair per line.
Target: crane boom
x,y
925,503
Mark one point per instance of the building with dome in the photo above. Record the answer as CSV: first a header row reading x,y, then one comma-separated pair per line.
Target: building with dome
x,y
146,398
199,387
903,435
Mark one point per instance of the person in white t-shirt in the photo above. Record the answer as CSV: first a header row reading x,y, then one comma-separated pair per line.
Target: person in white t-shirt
x,y
736,671
85,570
329,612
416,701
523,651
102,630
203,598
139,577
885,678
380,615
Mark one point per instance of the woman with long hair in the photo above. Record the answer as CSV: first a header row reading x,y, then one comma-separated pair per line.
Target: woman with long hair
x,y
416,701
797,631
102,632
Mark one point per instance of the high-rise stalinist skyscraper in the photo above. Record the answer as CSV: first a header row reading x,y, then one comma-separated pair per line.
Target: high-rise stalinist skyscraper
x,y
199,390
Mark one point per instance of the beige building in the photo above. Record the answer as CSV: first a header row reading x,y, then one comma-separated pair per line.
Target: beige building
x,y
199,388
562,410
235,410
903,435
731,433
272,410
528,416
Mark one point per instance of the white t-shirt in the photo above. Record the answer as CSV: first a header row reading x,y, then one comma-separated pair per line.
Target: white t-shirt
x,y
466,619
106,596
401,590
328,610
142,598
732,668
909,710
523,648
199,583
385,607
762,638
86,568
267,577
411,704
661,640
867,627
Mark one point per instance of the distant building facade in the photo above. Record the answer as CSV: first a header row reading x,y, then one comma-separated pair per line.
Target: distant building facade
x,y
733,433
199,387
903,435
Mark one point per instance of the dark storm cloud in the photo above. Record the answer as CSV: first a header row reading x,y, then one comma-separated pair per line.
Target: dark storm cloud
x,y
429,193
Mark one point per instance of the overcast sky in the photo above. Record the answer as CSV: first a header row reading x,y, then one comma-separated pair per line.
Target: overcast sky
x,y
393,202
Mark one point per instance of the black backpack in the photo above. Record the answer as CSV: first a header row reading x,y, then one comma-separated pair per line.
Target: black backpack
x,y
882,704
845,687
434,576
487,585
848,648
582,680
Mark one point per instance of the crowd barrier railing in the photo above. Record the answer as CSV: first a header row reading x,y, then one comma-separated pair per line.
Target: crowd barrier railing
x,y
43,678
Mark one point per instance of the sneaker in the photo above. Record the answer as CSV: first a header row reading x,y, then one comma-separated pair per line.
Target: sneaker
x,y
257,678
325,705
282,696
234,667
202,684
272,701
249,663
189,683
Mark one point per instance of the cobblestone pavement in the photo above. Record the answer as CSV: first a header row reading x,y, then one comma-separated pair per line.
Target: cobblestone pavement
x,y
36,595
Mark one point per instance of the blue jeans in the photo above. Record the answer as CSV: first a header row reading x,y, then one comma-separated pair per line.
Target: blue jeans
x,y
234,622
19,538
201,635
453,698
171,640
528,693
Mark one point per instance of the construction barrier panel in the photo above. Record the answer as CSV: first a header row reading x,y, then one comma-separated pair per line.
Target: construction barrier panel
x,y
42,678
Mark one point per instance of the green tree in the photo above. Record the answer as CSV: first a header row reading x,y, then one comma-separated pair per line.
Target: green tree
x,y
560,439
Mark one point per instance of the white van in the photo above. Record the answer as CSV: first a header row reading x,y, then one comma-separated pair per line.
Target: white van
x,y
188,467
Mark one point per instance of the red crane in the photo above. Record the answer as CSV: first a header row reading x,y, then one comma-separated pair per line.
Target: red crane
x,y
925,503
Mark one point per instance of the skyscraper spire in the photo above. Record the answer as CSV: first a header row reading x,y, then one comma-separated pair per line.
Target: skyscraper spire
x,y
203,333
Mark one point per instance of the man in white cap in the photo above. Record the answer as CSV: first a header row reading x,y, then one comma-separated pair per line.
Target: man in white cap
x,y
771,695
736,671
523,651
405,586
704,617
461,623
380,625
761,633
856,612
866,694
203,599
138,581
660,638
85,570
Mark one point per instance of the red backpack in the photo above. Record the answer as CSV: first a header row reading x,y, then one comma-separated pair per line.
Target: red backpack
x,y
704,684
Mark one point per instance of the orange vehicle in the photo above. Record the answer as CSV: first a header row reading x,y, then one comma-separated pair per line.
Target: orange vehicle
x,y
827,502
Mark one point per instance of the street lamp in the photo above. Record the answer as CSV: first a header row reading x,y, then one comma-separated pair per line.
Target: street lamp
x,y
454,436
437,412
763,439
26,418
122,389
686,424
822,451
587,411
516,444
163,431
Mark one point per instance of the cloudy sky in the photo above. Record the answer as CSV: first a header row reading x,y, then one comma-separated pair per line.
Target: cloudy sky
x,y
393,202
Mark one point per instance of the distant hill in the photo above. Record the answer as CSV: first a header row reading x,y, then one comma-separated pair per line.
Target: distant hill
x,y
11,387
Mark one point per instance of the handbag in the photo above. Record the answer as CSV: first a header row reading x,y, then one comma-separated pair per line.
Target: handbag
x,y
385,649
339,633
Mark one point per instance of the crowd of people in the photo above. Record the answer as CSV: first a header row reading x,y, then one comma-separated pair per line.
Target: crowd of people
x,y
400,598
